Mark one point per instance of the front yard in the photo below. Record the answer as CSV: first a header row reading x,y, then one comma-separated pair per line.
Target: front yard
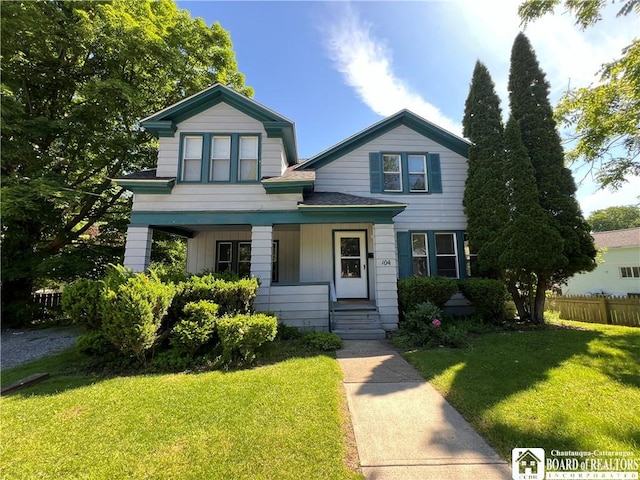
x,y
573,387
280,421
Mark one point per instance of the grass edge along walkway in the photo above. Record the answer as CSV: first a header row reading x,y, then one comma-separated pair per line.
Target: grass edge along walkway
x,y
283,421
572,386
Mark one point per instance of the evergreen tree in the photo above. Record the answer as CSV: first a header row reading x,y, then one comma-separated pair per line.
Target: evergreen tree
x,y
484,188
530,107
532,248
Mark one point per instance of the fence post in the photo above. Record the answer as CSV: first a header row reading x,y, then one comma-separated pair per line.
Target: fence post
x,y
604,308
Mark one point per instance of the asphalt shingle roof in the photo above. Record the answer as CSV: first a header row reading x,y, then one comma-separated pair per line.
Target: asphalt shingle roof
x,y
617,238
342,199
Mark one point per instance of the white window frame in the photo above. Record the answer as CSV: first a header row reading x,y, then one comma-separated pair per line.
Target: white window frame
x,y
629,272
186,159
399,172
246,159
423,173
425,256
219,159
454,254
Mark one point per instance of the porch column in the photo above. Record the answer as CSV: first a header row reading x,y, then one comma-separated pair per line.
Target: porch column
x,y
261,246
137,250
386,275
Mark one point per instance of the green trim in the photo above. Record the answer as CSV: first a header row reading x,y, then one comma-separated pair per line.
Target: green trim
x,y
264,217
431,251
288,186
164,122
432,177
405,117
147,187
183,232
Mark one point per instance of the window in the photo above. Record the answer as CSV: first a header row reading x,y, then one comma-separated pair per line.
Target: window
x,y
220,159
235,256
392,173
419,253
248,170
630,272
192,158
405,172
417,173
211,157
446,255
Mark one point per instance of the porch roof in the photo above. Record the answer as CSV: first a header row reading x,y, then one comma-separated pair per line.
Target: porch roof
x,y
337,199
146,181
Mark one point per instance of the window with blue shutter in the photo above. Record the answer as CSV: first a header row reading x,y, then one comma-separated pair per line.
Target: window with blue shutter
x,y
404,172
375,171
405,267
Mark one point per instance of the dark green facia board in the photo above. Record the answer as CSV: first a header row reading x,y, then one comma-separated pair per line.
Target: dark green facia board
x,y
163,123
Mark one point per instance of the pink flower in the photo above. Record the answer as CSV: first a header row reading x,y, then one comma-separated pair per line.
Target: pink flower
x,y
436,323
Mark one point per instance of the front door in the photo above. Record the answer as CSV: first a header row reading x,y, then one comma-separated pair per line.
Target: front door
x,y
351,264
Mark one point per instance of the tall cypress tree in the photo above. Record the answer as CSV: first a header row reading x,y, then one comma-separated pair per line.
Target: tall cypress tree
x,y
484,188
530,107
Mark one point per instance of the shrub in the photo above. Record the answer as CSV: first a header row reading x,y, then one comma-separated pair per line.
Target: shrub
x,y
241,335
415,290
325,341
233,297
422,324
169,273
172,360
81,303
96,344
196,327
132,312
285,332
488,297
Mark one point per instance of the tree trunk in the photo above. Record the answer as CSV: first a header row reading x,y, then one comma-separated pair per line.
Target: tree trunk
x,y
540,299
518,301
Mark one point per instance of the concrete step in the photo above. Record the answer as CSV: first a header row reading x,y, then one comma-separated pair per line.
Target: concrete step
x,y
338,325
377,334
357,316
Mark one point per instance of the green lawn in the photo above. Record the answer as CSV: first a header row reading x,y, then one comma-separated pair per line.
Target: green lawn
x,y
572,387
281,421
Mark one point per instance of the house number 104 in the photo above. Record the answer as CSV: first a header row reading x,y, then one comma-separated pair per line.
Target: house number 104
x,y
386,261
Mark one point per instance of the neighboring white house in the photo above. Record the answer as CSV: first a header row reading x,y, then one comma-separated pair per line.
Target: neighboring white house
x,y
619,274
344,224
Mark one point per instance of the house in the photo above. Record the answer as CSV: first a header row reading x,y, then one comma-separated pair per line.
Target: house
x,y
528,463
619,274
327,237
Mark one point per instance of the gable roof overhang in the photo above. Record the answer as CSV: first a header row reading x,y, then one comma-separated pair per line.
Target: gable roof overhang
x,y
164,123
403,117
146,182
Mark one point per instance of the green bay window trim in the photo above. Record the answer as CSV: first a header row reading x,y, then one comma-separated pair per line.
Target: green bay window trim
x,y
219,157
405,172
432,253
235,256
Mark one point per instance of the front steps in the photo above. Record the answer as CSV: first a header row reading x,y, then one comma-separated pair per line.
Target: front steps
x,y
358,320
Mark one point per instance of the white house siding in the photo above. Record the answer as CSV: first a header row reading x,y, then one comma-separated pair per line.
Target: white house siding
x,y
138,248
317,256
201,249
440,211
606,276
302,306
386,274
220,118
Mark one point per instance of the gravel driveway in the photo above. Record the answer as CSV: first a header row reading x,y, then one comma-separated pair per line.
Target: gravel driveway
x,y
21,346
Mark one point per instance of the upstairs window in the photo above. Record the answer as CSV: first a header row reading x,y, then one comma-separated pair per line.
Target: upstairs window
x,y
192,158
405,172
211,157
630,272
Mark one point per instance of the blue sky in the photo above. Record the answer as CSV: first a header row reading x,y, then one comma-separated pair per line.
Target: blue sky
x,y
335,68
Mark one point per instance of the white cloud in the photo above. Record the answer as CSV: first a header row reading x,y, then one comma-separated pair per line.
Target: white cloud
x,y
366,64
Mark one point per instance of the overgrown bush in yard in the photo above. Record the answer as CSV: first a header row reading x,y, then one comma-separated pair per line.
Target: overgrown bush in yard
x,y
196,327
81,303
285,332
415,290
487,296
132,312
241,336
425,326
232,296
325,341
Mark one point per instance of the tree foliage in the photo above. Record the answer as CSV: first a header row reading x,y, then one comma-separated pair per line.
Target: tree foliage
x,y
76,79
604,116
615,218
531,109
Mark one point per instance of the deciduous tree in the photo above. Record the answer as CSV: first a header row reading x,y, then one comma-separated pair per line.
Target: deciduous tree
x,y
76,79
615,218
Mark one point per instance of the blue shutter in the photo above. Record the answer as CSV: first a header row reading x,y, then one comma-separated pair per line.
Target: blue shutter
x,y
433,259
462,257
375,171
405,262
435,177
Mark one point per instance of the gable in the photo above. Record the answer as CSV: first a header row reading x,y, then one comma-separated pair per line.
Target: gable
x,y
165,122
404,117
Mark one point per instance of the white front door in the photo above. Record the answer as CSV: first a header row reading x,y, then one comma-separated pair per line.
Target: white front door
x,y
351,264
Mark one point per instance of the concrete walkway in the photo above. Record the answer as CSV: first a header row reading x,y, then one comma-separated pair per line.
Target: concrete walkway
x,y
404,428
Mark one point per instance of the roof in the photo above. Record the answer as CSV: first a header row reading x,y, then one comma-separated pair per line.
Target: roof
x,y
292,175
628,237
163,123
403,117
148,174
344,200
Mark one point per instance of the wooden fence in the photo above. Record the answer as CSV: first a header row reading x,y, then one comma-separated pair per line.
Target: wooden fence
x,y
50,300
609,310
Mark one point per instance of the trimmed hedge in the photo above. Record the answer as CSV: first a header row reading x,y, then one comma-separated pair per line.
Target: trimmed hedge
x,y
241,335
81,303
196,328
487,296
415,290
